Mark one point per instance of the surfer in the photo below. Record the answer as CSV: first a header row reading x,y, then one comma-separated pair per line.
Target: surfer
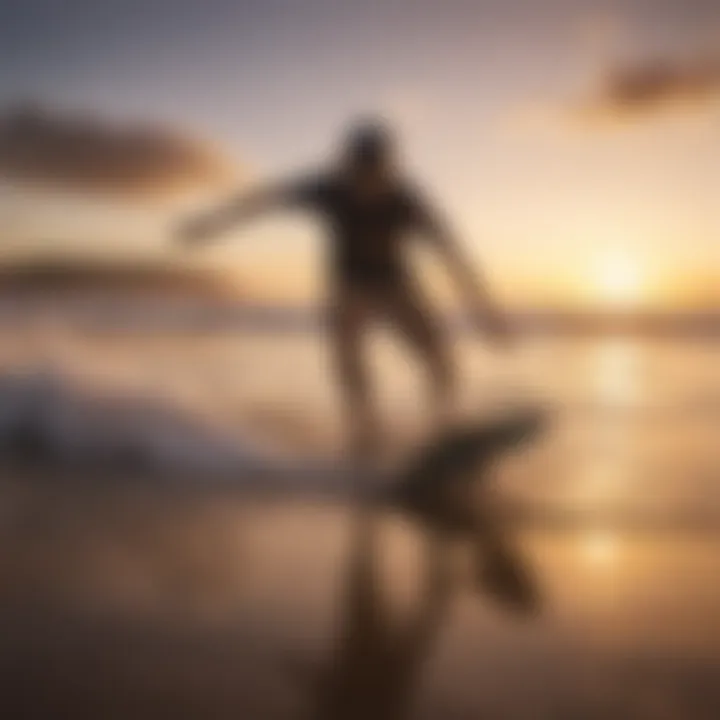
x,y
371,211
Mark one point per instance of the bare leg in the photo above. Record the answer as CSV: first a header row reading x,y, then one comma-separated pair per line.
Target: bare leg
x,y
421,329
351,314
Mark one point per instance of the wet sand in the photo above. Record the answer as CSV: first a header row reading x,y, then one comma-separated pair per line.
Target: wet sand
x,y
141,600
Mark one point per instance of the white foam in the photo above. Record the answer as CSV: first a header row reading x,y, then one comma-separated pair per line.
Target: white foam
x,y
46,417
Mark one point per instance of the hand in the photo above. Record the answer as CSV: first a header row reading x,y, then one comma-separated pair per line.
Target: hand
x,y
494,325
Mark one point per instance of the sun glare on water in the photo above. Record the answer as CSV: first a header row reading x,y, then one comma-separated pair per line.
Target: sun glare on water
x,y
599,548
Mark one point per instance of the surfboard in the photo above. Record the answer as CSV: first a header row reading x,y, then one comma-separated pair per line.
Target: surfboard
x,y
430,485
436,489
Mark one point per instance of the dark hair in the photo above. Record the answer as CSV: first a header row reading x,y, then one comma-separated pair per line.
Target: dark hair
x,y
369,142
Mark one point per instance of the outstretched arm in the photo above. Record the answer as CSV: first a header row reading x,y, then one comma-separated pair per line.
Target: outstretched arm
x,y
206,226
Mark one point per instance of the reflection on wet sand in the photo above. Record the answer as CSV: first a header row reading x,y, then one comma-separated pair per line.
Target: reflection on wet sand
x,y
377,661
142,603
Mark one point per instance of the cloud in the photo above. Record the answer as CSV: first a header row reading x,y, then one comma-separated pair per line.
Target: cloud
x,y
90,155
644,90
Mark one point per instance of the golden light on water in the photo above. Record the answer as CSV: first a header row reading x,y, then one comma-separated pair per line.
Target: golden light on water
x,y
600,548
616,371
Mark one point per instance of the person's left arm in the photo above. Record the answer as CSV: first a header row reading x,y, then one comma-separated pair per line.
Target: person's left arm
x,y
470,280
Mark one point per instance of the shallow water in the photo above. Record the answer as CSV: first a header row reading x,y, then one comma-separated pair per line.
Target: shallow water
x,y
130,594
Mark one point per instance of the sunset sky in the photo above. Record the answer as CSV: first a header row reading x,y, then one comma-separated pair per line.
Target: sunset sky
x,y
575,143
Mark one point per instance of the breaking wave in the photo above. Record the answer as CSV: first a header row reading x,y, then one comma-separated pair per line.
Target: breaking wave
x,y
49,419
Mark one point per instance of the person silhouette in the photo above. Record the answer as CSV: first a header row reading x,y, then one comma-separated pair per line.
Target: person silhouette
x,y
371,211
378,656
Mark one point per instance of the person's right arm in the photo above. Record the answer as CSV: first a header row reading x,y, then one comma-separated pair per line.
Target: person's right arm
x,y
206,226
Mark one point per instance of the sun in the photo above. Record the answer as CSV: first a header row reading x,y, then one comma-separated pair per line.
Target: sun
x,y
617,277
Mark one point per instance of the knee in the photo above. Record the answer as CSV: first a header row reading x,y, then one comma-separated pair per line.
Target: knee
x,y
350,365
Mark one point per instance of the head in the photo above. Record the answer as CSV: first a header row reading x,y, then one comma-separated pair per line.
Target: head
x,y
369,150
